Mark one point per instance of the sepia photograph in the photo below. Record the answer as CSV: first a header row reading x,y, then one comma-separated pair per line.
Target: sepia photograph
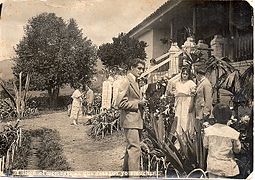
x,y
126,89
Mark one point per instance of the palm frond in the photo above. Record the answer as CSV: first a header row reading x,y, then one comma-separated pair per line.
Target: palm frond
x,y
8,93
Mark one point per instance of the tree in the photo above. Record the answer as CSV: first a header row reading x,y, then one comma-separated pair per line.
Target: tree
x,y
121,51
55,53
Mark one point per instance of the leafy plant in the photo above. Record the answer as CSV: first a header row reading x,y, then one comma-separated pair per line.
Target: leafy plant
x,y
23,152
177,153
20,95
10,140
190,156
246,83
106,122
223,70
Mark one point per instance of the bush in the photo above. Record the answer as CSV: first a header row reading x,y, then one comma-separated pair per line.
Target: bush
x,y
43,103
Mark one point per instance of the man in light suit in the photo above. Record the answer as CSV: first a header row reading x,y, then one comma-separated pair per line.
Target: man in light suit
x,y
130,102
203,98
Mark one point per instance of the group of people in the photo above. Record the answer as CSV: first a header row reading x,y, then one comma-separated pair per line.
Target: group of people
x,y
83,98
193,106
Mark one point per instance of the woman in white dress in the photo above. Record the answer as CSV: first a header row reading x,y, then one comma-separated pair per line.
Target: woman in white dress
x,y
77,104
184,91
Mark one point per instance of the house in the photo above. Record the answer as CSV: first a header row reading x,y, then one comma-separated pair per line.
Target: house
x,y
226,27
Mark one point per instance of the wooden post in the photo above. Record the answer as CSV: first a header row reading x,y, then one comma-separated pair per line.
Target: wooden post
x,y
8,159
1,166
13,152
3,163
194,24
20,136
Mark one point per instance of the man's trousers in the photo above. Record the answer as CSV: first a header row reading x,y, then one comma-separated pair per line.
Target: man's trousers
x,y
133,150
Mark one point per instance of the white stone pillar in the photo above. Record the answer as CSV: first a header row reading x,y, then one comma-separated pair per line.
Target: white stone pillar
x,y
107,93
189,45
217,44
174,53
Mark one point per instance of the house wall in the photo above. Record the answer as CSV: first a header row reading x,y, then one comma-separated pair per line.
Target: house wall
x,y
160,48
148,38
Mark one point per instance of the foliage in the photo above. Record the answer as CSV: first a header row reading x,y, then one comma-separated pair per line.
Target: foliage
x,y
7,111
246,85
20,95
193,57
245,157
167,157
55,53
121,51
7,137
10,141
23,152
103,123
50,152
177,153
97,102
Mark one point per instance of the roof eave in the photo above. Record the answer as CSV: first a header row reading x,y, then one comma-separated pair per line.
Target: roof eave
x,y
146,23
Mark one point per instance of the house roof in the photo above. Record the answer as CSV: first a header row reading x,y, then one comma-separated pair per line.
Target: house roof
x,y
166,7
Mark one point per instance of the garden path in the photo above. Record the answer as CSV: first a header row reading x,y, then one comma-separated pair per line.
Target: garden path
x,y
82,152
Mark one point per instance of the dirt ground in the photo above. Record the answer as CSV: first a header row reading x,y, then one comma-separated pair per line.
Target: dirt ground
x,y
81,151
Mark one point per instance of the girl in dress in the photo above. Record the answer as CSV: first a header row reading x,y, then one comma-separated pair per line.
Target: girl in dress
x,y
184,91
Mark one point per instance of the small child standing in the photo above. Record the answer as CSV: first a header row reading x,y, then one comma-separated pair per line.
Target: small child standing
x,y
222,141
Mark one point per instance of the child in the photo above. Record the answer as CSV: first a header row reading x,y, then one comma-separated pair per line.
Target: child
x,y
221,141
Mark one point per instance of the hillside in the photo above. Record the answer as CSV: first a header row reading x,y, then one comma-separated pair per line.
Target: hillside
x,y
6,69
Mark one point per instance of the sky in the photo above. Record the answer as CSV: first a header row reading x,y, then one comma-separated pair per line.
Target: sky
x,y
100,19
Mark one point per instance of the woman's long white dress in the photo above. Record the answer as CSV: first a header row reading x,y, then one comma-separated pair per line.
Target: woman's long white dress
x,y
183,92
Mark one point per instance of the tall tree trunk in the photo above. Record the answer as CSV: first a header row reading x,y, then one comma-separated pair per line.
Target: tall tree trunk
x,y
53,95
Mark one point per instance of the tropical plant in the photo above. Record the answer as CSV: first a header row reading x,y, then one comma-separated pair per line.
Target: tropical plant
x,y
193,57
103,123
20,95
7,110
246,83
10,140
179,154
167,157
224,73
245,157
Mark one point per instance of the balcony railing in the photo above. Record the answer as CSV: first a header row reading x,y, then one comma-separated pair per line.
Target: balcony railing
x,y
243,47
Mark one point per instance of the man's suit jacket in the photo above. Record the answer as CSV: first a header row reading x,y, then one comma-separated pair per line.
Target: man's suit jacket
x,y
127,101
203,99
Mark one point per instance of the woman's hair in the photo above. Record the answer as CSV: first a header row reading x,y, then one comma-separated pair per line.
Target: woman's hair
x,y
222,113
188,70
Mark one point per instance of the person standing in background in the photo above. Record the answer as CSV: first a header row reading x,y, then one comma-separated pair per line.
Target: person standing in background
x,y
89,95
203,98
130,102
